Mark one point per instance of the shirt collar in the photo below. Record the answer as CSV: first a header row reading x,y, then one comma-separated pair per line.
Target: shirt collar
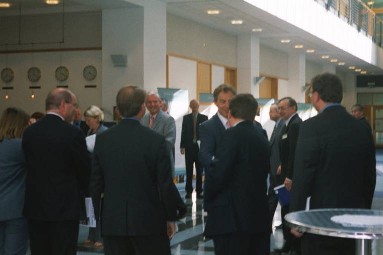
x,y
222,119
329,105
54,113
288,120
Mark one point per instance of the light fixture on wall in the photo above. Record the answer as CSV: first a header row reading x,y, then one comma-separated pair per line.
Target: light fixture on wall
x,y
33,95
52,2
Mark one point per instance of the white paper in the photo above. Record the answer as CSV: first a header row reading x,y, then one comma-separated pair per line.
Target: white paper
x,y
90,218
350,220
90,141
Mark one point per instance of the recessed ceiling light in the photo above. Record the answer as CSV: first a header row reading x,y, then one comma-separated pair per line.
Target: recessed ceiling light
x,y
310,50
5,5
325,56
236,22
285,41
351,67
363,72
257,29
298,46
358,70
213,12
341,63
53,2
334,60
370,2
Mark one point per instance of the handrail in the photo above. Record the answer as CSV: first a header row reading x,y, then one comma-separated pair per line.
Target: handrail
x,y
358,15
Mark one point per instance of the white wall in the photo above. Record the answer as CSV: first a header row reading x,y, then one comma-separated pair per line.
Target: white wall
x,y
312,69
273,63
188,38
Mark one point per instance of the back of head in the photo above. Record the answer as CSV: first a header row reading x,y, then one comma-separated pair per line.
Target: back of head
x,y
94,112
329,87
56,96
13,122
243,106
223,88
130,101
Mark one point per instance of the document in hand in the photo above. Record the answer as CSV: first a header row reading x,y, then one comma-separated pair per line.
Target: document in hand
x,y
283,195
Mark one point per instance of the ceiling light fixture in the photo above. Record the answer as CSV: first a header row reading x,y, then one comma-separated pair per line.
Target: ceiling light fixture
x,y
213,12
334,60
351,67
257,29
298,46
5,5
236,22
341,63
310,51
325,56
285,41
363,72
358,70
52,2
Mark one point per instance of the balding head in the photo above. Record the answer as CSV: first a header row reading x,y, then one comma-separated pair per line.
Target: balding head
x,y
63,102
194,105
130,102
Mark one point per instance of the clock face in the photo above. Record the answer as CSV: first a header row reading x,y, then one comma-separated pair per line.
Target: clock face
x,y
62,73
34,74
7,74
89,72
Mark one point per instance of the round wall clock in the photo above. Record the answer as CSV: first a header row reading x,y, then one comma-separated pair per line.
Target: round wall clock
x,y
34,74
62,73
89,72
7,74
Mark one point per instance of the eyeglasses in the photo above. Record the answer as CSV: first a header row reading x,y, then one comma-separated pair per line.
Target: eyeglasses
x,y
284,108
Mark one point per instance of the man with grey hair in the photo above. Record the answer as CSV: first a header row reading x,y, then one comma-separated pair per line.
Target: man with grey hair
x,y
58,169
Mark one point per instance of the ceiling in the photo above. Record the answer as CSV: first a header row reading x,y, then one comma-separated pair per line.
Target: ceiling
x,y
273,29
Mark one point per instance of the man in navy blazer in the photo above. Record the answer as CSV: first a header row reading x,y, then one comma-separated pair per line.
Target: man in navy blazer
x,y
189,147
236,185
131,167
58,170
211,131
335,163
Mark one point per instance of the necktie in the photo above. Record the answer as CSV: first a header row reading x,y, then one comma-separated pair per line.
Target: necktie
x,y
151,121
227,125
274,131
194,128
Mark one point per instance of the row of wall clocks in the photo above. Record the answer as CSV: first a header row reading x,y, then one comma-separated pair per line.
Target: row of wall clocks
x,y
61,73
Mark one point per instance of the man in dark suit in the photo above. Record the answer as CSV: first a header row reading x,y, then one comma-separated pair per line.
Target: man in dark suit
x,y
236,185
189,147
288,110
210,132
357,111
335,163
132,168
274,178
58,169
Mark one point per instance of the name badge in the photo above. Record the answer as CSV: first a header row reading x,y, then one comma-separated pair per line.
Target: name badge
x,y
284,136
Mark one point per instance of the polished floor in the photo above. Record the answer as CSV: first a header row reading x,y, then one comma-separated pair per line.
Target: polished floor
x,y
190,241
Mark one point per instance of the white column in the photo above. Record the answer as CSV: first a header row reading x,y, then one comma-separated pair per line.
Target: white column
x,y
122,34
329,68
297,77
247,64
154,46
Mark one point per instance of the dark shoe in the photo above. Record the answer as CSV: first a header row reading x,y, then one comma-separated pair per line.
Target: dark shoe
x,y
188,195
199,196
285,248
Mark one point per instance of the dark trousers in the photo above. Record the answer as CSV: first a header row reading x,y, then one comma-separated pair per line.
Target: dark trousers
x,y
191,157
291,242
242,244
137,245
272,200
53,237
325,245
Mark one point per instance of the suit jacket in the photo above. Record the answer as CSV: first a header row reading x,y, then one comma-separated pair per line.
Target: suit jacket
x,y
131,167
187,129
287,146
335,162
58,170
210,133
235,186
275,160
12,179
164,124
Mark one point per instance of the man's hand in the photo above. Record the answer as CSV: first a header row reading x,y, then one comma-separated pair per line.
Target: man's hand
x,y
279,170
295,232
182,151
288,183
171,229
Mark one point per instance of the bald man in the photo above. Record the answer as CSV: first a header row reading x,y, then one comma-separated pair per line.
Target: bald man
x,y
189,147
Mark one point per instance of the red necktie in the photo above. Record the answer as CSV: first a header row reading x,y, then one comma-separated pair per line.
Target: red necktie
x,y
151,121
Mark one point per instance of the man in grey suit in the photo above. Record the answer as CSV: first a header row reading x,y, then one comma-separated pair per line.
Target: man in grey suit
x,y
160,122
274,178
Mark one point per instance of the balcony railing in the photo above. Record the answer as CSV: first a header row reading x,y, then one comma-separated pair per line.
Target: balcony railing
x,y
358,15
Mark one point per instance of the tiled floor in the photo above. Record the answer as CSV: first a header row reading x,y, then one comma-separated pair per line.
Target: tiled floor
x,y
189,239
